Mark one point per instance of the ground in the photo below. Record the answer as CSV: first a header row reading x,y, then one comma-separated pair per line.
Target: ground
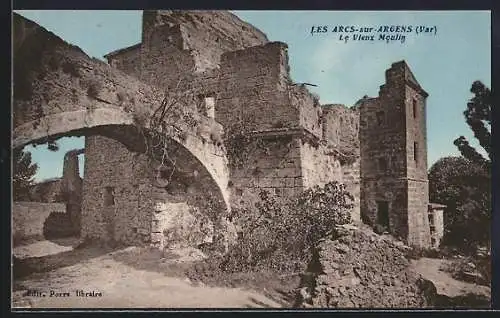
x,y
135,277
129,277
446,285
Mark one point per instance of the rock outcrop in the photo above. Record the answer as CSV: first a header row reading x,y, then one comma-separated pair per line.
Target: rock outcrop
x,y
357,268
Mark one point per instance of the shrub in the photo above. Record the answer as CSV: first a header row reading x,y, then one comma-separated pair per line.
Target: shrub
x,y
94,88
282,234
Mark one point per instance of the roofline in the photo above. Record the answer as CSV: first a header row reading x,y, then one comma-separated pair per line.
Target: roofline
x,y
122,50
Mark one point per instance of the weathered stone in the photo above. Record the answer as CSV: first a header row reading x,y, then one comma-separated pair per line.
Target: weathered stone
x,y
374,278
343,248
219,67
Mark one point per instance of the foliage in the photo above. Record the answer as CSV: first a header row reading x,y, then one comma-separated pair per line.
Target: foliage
x,y
94,88
52,145
281,234
239,142
478,117
465,188
173,116
22,175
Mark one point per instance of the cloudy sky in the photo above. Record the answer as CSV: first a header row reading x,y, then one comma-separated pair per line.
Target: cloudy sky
x,y
445,63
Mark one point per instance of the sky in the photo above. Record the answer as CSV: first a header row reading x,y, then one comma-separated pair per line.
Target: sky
x,y
445,62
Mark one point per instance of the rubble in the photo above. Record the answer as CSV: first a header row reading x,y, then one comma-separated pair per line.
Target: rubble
x,y
360,269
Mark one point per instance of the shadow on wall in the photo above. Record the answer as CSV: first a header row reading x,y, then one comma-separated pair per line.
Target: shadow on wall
x,y
59,225
29,219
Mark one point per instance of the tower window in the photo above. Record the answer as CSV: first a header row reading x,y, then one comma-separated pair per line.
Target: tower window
x,y
415,152
383,213
380,118
414,108
109,198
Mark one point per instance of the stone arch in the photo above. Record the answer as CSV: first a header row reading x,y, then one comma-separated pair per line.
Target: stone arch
x,y
115,123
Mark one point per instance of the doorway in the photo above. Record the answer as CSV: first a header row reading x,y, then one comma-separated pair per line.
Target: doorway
x,y
383,213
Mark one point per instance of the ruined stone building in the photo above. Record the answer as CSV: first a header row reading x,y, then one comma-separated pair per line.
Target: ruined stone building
x,y
227,76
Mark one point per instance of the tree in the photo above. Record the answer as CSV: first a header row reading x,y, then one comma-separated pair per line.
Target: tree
x,y
464,186
22,175
478,117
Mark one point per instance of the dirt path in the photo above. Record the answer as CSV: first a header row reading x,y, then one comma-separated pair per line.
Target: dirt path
x,y
446,285
123,280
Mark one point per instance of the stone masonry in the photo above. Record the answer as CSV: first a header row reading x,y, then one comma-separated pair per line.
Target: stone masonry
x,y
394,185
239,80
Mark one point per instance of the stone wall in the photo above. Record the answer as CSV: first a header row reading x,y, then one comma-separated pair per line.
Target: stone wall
x,y
116,191
351,179
274,166
180,44
341,127
253,88
48,191
177,224
127,60
28,219
72,187
122,189
309,108
418,221
318,166
165,58
207,34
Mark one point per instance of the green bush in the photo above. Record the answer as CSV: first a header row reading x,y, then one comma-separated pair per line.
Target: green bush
x,y
465,188
281,234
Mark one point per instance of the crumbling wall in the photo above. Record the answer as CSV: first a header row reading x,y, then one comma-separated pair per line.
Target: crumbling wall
x,y
309,109
180,44
253,85
127,60
207,34
28,219
165,58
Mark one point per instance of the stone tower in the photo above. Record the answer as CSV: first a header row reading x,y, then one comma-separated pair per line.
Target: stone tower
x,y
393,149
